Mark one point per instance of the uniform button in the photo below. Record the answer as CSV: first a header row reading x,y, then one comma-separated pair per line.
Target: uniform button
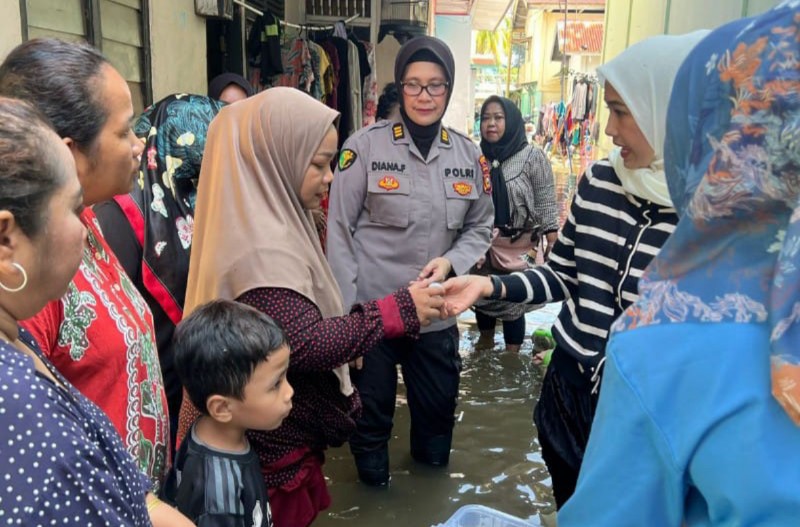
x,y
630,246
616,299
621,272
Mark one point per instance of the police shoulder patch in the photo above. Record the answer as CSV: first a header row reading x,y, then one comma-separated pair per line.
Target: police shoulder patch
x,y
346,159
487,177
398,132
445,136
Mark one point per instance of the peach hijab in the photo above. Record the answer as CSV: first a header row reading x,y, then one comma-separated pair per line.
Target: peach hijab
x,y
251,230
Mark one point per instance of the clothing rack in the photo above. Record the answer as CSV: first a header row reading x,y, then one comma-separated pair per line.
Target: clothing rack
x,y
583,76
296,26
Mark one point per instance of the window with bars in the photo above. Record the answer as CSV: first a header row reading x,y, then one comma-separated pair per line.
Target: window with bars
x,y
116,27
339,8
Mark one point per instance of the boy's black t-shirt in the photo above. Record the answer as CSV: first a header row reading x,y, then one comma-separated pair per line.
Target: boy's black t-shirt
x,y
217,488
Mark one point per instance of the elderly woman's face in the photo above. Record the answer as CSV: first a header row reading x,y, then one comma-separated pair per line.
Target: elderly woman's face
x,y
493,122
424,108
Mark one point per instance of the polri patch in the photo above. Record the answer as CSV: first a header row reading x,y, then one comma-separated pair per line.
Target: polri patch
x,y
389,183
462,189
487,176
346,159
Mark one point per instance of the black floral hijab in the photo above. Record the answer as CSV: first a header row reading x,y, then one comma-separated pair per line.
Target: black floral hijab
x,y
160,208
512,141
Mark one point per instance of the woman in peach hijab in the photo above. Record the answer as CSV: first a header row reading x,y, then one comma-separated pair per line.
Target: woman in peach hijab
x,y
266,167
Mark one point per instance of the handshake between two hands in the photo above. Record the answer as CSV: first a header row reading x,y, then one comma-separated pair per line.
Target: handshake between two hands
x,y
437,298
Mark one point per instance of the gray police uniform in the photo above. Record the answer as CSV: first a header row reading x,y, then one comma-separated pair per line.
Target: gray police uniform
x,y
391,212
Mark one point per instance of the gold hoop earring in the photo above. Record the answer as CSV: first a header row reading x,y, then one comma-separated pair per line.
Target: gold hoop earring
x,y
4,287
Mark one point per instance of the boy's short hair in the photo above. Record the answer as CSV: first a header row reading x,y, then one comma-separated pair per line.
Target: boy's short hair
x,y
217,348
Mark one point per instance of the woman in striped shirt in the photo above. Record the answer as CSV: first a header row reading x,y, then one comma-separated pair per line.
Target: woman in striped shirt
x,y
620,217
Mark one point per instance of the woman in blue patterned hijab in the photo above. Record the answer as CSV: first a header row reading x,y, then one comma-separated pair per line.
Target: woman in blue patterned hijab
x,y
698,416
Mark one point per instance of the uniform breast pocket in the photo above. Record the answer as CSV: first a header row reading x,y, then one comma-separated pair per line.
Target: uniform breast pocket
x,y
460,194
388,198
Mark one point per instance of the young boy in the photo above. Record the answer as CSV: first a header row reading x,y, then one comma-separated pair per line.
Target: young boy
x,y
232,361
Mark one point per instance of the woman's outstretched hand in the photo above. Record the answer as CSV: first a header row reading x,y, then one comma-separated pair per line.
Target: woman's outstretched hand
x,y
461,292
428,300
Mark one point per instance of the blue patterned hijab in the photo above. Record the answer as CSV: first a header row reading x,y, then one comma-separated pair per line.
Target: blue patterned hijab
x,y
732,160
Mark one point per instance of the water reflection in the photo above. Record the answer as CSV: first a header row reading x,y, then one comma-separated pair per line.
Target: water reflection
x,y
495,460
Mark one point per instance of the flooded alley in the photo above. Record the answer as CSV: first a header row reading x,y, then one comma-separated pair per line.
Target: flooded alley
x,y
495,459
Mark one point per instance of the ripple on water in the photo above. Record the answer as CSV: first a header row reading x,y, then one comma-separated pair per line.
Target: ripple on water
x,y
495,459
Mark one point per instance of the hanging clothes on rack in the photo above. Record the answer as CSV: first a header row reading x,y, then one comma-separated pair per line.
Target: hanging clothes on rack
x,y
580,90
264,49
356,82
370,91
298,72
332,97
343,88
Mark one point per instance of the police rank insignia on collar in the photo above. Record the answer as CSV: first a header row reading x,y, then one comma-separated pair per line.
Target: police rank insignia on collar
x,y
398,132
487,178
346,159
445,137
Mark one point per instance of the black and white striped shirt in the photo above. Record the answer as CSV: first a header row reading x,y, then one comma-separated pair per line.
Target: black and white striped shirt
x,y
609,238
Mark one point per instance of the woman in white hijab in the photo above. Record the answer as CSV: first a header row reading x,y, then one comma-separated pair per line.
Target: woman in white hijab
x,y
619,218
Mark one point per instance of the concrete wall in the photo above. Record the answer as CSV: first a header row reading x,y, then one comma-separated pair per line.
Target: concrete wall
x,y
10,28
178,48
177,43
539,67
294,10
457,32
629,21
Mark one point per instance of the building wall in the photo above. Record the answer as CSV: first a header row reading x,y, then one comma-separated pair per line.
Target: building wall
x,y
457,32
177,44
10,28
294,11
178,48
629,21
539,67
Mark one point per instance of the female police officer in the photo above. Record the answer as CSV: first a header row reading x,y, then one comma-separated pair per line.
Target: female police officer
x,y
410,200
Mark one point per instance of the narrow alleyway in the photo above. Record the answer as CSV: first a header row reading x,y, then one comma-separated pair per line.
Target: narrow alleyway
x,y
495,460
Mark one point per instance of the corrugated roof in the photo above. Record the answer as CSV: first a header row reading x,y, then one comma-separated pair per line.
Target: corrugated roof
x,y
453,7
583,38
483,60
488,14
571,4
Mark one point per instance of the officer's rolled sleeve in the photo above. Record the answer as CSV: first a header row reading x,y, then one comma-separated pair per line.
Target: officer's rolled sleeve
x,y
347,195
475,236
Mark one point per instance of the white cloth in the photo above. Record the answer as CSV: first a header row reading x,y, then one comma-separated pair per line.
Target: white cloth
x,y
647,183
